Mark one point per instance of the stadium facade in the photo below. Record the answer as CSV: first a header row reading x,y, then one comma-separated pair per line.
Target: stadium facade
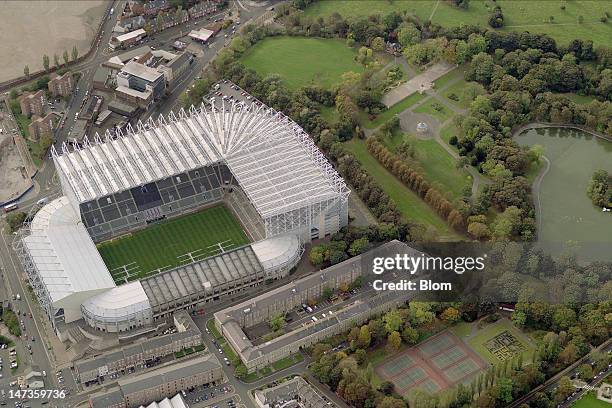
x,y
255,160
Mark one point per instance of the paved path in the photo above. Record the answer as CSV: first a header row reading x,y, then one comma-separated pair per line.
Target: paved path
x,y
421,81
408,116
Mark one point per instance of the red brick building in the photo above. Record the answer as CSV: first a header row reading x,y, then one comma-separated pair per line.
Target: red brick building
x,y
61,85
33,103
41,127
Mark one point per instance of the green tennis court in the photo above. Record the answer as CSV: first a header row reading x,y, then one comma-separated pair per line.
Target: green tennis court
x,y
461,370
449,357
436,345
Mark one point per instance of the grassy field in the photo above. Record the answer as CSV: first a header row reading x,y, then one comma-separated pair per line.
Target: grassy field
x,y
531,16
161,244
461,329
458,89
590,401
440,167
389,113
302,61
447,132
408,203
450,76
329,113
442,113
580,99
478,340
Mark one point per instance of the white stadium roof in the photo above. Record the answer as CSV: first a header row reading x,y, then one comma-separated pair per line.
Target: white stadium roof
x,y
273,159
66,258
125,300
277,251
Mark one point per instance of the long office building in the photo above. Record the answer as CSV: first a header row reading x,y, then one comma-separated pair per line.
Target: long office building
x,y
234,320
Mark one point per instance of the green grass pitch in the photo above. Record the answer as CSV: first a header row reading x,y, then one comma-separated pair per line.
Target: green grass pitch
x,y
302,61
160,245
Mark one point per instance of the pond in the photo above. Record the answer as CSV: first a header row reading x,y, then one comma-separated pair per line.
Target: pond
x,y
566,216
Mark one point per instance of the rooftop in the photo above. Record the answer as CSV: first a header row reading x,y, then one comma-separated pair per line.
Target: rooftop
x,y
156,378
274,161
65,256
141,71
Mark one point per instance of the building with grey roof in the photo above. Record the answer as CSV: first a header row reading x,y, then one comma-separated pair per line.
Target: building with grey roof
x,y
186,336
294,393
168,381
232,320
160,384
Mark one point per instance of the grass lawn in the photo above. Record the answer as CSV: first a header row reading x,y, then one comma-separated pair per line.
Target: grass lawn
x,y
580,99
518,15
302,61
329,113
461,329
389,113
408,203
435,109
287,362
210,324
458,89
450,76
447,132
590,401
36,152
161,244
440,167
477,342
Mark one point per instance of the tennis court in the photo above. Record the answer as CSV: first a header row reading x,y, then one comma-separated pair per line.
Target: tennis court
x,y
440,362
411,377
436,344
396,366
461,370
450,356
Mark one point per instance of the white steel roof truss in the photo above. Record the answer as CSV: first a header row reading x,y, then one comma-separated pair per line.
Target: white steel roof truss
x,y
164,153
131,168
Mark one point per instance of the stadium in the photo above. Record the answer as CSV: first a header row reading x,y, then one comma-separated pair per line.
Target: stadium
x,y
178,212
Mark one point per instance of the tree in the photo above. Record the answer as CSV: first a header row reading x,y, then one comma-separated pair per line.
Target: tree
x,y
277,322
363,341
56,60
75,52
15,220
519,318
45,62
359,246
394,340
585,372
65,57
391,402
26,71
408,34
241,371
410,335
481,69
327,293
450,314
317,255
479,230
393,320
378,44
386,387
564,390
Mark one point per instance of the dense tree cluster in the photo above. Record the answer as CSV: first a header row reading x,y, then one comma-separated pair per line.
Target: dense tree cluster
x,y
600,189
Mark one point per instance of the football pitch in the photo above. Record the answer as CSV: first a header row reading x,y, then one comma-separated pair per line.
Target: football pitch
x,y
168,243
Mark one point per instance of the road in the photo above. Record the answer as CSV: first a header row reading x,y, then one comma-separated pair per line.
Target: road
x,y
47,185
